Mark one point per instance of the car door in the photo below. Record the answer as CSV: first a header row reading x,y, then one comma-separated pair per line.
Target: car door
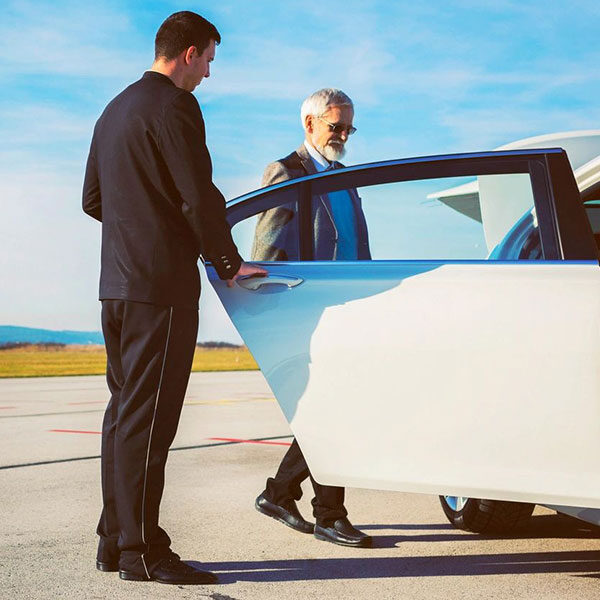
x,y
432,367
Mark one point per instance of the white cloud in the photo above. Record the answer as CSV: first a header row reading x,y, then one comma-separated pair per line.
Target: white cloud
x,y
66,38
487,128
35,123
50,262
425,78
50,252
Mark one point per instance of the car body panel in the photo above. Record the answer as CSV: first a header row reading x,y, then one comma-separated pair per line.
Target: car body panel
x,y
589,515
463,378
437,378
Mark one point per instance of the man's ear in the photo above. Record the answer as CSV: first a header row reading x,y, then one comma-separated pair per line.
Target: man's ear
x,y
308,123
187,54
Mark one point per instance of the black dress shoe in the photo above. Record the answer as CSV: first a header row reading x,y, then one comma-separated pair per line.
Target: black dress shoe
x,y
174,571
343,533
107,566
287,514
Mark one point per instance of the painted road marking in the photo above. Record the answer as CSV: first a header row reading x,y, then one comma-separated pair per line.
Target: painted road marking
x,y
78,458
224,401
238,441
215,439
187,402
219,402
88,402
52,414
72,431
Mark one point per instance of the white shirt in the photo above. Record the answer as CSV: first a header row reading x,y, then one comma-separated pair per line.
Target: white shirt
x,y
320,162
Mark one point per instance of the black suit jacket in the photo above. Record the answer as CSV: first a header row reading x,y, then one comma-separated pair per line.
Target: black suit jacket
x,y
149,180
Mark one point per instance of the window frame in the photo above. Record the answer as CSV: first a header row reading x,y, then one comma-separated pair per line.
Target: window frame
x,y
565,232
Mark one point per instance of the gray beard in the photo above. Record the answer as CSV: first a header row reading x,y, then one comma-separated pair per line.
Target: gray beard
x,y
332,153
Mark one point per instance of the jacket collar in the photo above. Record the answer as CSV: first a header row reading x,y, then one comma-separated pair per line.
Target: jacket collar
x,y
157,76
306,160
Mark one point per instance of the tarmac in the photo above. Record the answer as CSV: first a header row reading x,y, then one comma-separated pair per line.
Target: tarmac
x,y
231,437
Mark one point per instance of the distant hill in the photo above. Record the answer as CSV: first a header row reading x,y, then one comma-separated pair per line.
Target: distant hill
x,y
11,334
14,334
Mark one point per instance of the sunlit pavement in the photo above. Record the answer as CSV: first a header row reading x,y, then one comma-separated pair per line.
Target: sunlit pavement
x,y
232,435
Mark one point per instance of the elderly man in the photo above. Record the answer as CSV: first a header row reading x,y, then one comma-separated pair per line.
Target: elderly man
x,y
340,233
340,230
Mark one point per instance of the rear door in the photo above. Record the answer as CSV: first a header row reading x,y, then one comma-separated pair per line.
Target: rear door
x,y
434,367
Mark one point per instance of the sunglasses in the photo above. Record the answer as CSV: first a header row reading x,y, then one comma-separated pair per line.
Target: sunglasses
x,y
338,128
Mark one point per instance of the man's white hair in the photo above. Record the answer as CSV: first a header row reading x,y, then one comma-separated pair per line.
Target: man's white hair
x,y
318,103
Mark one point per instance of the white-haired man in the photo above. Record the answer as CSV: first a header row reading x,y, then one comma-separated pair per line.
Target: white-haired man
x,y
339,226
340,233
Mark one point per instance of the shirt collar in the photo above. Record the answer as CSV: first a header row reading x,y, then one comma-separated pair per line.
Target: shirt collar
x,y
320,162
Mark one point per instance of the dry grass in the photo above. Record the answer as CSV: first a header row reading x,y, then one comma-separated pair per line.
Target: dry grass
x,y
43,361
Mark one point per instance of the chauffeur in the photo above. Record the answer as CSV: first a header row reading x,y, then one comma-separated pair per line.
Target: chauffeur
x,y
340,233
149,181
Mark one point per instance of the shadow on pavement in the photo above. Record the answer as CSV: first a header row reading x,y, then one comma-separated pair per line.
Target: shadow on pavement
x,y
423,566
417,526
586,562
538,527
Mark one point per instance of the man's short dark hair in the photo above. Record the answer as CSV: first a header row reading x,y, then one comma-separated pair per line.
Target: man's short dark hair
x,y
182,30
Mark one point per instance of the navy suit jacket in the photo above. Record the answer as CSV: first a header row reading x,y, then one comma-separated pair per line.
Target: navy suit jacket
x,y
149,180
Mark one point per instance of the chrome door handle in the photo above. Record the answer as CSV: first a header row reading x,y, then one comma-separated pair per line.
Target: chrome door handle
x,y
254,283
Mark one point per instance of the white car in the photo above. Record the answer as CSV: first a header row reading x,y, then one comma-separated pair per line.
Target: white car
x,y
463,359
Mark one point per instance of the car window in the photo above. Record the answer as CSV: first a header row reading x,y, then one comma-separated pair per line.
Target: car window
x,y
272,234
450,218
592,209
489,217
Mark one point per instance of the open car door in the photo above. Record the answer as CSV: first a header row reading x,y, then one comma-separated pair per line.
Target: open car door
x,y
433,367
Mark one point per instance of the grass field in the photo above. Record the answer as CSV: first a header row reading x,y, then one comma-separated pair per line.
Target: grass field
x,y
41,361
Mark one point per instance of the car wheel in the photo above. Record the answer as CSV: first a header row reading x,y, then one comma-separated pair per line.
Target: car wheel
x,y
485,516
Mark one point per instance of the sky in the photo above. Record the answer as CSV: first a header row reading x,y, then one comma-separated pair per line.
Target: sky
x,y
425,78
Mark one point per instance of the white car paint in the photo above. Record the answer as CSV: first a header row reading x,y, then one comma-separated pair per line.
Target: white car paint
x,y
469,379
462,378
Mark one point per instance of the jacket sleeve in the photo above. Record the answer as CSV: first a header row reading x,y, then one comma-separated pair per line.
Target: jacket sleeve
x,y
182,142
92,202
275,236
276,172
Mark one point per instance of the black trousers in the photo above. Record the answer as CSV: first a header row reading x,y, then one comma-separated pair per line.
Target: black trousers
x,y
150,351
328,503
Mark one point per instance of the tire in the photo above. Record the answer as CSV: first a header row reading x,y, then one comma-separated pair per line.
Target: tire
x,y
485,516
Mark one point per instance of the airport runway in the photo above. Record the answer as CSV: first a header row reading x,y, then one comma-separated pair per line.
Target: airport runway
x,y
232,435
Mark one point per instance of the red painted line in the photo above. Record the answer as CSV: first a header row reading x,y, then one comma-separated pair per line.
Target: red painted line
x,y
4,407
220,439
88,402
72,431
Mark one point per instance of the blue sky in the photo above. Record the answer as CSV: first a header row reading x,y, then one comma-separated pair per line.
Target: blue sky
x,y
426,78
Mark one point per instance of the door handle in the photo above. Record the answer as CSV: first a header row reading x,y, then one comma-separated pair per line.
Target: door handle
x,y
253,283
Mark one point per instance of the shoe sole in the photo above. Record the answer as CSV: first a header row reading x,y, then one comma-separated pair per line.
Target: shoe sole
x,y
261,510
107,567
127,576
362,544
208,582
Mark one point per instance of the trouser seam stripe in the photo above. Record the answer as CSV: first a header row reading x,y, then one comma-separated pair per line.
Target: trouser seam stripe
x,y
162,370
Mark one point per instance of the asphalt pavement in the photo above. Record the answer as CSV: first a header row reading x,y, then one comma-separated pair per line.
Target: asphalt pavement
x,y
231,437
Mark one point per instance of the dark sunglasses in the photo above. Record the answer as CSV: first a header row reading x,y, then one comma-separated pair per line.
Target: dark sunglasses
x,y
338,128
